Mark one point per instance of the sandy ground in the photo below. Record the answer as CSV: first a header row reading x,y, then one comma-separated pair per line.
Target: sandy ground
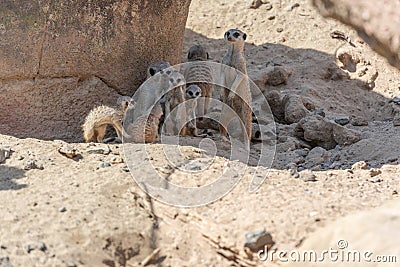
x,y
88,211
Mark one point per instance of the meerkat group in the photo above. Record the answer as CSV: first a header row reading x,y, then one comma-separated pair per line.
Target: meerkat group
x,y
167,89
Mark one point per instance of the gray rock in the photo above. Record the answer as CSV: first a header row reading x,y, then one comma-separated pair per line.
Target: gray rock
x,y
317,156
357,121
258,240
294,108
62,209
105,165
342,120
308,176
4,153
268,7
395,100
99,150
32,164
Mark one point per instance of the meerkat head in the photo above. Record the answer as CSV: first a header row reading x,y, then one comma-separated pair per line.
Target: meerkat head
x,y
124,102
156,67
193,91
197,52
233,36
175,78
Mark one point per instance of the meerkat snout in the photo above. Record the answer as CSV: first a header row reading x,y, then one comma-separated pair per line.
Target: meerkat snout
x,y
193,91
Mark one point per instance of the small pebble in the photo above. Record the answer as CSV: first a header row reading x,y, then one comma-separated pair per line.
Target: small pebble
x,y
105,165
62,209
374,172
308,176
279,29
342,120
268,6
271,17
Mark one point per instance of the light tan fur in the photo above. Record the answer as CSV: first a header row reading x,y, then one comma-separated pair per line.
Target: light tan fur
x,y
198,72
95,125
236,93
145,128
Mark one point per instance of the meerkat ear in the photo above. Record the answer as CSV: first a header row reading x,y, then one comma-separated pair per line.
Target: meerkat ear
x,y
244,36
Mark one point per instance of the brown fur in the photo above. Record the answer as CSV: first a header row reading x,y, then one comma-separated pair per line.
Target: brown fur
x,y
95,125
200,74
145,128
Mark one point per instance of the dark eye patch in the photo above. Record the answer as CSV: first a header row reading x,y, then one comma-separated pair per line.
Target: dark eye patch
x,y
152,72
179,80
236,35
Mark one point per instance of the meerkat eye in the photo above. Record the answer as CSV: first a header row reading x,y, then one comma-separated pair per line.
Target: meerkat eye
x,y
171,80
168,72
152,72
197,93
236,35
190,93
179,80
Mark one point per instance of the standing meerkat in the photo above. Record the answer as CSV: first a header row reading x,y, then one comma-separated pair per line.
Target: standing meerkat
x,y
236,92
95,125
198,72
193,92
145,128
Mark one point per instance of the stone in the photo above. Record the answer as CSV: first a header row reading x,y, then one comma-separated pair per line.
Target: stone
x,y
64,58
294,108
320,131
105,165
361,165
342,120
258,240
62,209
372,20
277,75
317,156
99,150
357,121
254,3
263,133
308,176
357,230
4,154
274,99
268,7
32,164
374,172
396,120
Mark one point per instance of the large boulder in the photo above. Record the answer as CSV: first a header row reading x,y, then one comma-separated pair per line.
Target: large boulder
x,y
58,59
377,22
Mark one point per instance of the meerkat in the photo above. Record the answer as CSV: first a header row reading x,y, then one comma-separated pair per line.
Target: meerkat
x,y
156,67
145,128
198,72
95,125
236,92
193,92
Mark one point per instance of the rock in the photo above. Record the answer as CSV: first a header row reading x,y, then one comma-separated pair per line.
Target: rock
x,y
344,136
268,7
375,180
396,120
254,3
291,7
69,151
62,209
395,100
258,240
302,152
372,20
68,50
317,156
71,264
322,132
294,108
319,112
4,154
105,165
277,75
357,121
342,120
293,170
32,164
263,133
36,245
361,165
274,99
99,150
265,1
272,17
5,261
357,230
374,172
308,176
